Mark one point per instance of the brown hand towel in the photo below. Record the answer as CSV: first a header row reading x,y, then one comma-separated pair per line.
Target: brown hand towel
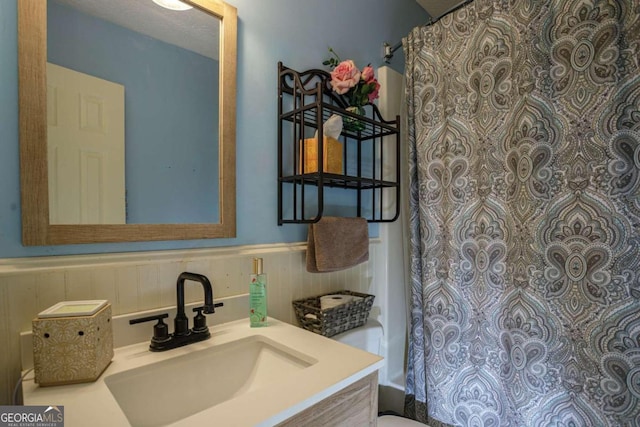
x,y
336,244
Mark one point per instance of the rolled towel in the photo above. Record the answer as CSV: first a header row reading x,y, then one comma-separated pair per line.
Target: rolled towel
x,y
330,301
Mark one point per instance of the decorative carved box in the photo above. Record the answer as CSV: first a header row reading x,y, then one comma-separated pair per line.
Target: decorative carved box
x,y
72,342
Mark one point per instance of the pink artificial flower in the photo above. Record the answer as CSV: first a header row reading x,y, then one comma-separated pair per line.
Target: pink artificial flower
x,y
345,76
374,95
368,74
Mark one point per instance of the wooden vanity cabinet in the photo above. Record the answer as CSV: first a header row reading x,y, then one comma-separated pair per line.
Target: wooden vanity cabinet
x,y
354,405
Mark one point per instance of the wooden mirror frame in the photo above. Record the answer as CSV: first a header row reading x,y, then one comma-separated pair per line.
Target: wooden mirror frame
x,y
32,82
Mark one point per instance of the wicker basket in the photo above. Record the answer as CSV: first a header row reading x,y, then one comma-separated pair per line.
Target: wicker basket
x,y
332,321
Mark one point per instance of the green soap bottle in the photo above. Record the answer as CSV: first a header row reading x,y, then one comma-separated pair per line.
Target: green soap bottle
x,y
258,295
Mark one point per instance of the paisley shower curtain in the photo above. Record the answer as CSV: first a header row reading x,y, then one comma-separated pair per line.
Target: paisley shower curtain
x,y
524,164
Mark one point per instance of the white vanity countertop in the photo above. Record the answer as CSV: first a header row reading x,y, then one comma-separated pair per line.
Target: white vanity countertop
x,y
338,366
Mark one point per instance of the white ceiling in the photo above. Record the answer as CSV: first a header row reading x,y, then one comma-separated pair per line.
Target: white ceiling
x,y
191,29
437,8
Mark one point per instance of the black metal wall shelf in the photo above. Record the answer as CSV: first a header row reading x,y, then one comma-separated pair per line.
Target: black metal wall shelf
x,y
370,157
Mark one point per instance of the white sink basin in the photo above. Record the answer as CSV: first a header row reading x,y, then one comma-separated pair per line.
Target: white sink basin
x,y
241,377
164,392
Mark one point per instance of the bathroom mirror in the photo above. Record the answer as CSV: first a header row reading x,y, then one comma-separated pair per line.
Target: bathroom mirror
x,y
39,224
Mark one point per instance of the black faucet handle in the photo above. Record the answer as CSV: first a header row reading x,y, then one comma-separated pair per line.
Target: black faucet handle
x,y
160,329
199,321
209,309
158,317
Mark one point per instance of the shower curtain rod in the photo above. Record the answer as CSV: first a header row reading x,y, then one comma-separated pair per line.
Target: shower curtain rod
x,y
388,50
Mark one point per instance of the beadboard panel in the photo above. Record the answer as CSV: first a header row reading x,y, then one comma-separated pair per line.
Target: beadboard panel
x,y
141,281
7,370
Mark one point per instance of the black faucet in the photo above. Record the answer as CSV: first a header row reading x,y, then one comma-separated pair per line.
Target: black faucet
x,y
181,323
182,335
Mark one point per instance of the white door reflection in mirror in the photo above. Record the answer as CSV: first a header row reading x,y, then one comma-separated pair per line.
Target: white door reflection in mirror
x,y
85,117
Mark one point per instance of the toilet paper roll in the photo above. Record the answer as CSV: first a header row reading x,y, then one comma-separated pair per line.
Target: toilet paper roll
x,y
334,300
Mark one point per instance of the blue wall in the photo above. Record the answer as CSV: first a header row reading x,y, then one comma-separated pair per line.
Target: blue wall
x,y
292,31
